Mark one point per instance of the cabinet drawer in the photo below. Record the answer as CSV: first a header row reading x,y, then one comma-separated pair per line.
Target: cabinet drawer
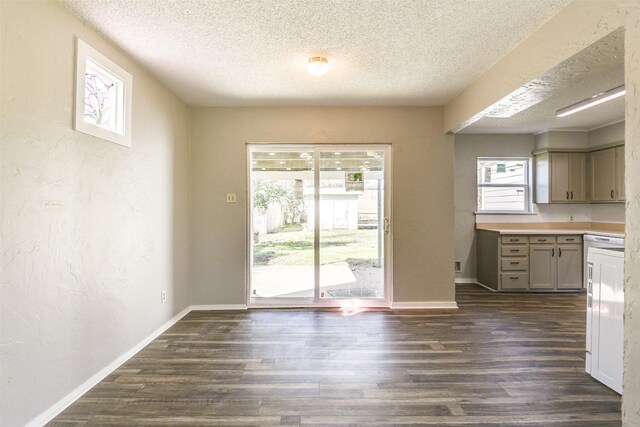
x,y
514,264
542,239
569,239
514,250
513,240
517,280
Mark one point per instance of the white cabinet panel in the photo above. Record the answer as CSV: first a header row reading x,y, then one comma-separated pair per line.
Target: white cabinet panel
x,y
606,317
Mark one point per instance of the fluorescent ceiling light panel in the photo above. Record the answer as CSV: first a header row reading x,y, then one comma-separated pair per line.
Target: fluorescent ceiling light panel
x,y
593,101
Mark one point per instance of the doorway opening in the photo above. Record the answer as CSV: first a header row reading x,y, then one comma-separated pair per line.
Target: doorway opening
x,y
319,225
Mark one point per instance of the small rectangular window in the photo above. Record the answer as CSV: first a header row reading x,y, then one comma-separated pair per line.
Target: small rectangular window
x,y
103,97
503,185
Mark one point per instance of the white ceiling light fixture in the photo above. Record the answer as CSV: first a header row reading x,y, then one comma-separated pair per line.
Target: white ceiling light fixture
x,y
318,65
592,102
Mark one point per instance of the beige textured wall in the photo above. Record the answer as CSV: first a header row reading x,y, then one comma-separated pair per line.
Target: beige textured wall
x,y
467,150
606,135
422,190
578,25
92,231
562,139
631,382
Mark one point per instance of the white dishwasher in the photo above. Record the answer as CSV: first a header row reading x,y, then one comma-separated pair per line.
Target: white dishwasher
x,y
605,310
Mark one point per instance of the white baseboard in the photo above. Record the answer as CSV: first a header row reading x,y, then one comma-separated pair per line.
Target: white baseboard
x,y
66,401
486,287
216,307
321,304
415,305
465,280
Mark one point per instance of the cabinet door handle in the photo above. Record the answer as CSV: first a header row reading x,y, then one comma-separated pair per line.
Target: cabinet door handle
x,y
559,252
553,252
513,278
515,250
570,240
567,195
542,240
612,194
572,195
514,240
515,263
589,301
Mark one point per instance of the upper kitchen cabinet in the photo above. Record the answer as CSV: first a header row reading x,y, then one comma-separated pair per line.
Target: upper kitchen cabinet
x,y
603,175
561,177
607,175
620,172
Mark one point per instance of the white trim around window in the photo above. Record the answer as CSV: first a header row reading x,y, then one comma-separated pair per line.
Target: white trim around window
x,y
102,105
527,207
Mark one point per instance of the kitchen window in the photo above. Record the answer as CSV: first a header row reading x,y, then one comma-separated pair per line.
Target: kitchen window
x,y
503,185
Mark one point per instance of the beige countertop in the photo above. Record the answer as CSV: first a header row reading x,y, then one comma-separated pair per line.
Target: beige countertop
x,y
557,228
554,231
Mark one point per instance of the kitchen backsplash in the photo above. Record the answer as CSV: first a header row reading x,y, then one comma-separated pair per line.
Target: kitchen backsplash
x,y
563,213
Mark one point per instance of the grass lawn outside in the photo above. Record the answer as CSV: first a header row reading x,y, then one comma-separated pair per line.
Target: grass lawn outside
x,y
293,245
284,262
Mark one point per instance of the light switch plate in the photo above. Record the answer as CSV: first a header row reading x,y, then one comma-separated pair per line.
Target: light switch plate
x,y
231,197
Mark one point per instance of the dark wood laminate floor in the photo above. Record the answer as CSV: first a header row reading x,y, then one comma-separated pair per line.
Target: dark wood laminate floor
x,y
500,360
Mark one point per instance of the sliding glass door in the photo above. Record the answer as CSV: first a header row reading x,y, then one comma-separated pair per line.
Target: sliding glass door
x,y
319,225
352,216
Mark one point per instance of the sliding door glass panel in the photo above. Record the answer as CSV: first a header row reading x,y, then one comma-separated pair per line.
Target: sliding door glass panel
x,y
282,241
351,218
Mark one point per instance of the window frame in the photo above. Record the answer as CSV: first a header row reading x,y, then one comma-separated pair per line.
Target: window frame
x,y
122,101
528,207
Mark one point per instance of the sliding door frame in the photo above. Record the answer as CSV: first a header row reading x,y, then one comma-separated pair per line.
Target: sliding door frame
x,y
316,301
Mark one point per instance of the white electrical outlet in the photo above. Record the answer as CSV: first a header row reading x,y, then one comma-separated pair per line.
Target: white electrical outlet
x,y
163,296
231,197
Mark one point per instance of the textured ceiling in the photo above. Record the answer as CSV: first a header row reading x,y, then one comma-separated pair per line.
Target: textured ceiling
x,y
595,69
381,52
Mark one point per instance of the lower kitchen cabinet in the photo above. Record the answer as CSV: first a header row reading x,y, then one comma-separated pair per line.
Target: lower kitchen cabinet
x,y
555,267
516,280
569,267
543,267
529,262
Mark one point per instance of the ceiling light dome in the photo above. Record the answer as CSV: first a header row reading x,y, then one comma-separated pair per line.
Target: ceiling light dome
x,y
318,65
